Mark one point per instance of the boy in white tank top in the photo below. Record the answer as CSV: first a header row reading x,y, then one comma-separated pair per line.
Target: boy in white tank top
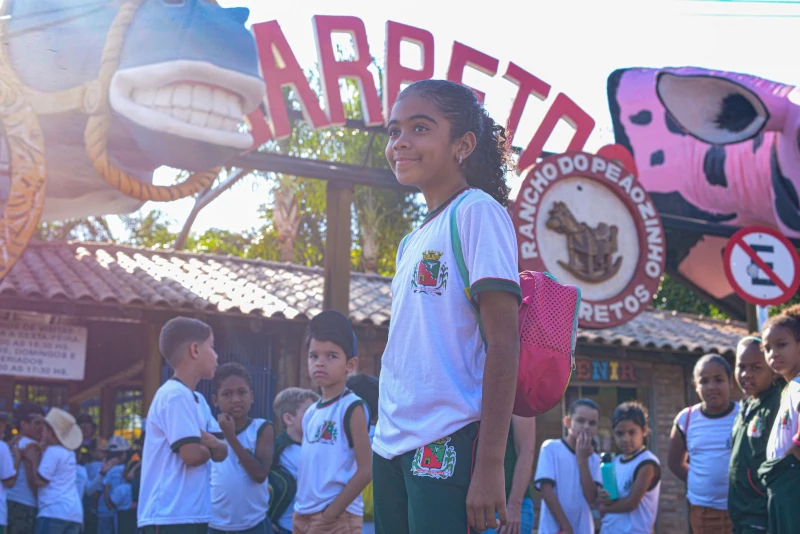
x,y
335,456
239,487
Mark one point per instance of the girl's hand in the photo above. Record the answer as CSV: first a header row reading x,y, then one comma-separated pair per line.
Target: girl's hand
x,y
514,512
584,449
602,494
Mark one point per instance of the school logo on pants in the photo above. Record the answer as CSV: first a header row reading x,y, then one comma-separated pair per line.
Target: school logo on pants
x,y
430,275
435,460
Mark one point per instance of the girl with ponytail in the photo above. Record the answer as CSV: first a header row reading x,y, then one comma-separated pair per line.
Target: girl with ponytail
x,y
447,382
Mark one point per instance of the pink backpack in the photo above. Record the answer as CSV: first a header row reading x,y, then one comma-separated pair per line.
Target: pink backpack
x,y
548,329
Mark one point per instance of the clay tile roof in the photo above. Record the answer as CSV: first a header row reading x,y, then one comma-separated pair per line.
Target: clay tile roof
x,y
118,275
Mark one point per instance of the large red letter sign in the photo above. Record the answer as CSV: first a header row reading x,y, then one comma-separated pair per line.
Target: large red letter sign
x,y
331,69
396,74
280,68
465,56
563,108
528,85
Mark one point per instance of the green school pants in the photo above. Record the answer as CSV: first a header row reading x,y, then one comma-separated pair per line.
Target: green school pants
x,y
425,491
194,528
782,479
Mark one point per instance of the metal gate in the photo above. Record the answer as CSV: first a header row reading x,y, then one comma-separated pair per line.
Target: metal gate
x,y
254,352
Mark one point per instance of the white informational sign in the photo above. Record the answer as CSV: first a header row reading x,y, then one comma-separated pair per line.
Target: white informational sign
x,y
762,266
42,350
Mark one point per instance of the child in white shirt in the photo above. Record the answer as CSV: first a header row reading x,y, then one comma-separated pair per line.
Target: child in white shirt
x,y
8,473
21,497
60,509
568,473
290,406
335,458
180,437
638,474
239,487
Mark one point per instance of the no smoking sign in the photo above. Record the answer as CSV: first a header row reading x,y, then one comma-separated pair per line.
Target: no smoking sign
x,y
762,266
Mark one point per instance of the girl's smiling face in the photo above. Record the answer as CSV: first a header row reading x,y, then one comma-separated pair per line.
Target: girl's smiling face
x,y
782,351
420,150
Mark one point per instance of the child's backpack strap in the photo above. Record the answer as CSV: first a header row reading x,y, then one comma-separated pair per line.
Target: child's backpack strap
x,y
458,252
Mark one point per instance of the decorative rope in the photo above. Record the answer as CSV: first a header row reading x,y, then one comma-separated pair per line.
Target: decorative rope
x,y
23,133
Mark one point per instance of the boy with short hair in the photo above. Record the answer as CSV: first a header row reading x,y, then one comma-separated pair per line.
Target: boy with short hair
x,y
568,474
8,474
21,497
175,495
239,486
60,509
289,406
335,457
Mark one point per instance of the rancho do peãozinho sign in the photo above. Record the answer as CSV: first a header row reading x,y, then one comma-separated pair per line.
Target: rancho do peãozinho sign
x,y
586,220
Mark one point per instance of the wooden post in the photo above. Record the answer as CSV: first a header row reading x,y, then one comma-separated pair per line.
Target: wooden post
x,y
108,408
339,198
7,388
752,317
152,368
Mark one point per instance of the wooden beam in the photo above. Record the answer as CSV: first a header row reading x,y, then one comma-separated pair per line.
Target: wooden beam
x,y
336,294
152,367
108,405
321,170
110,381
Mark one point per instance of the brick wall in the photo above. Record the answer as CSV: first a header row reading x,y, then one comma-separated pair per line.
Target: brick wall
x,y
669,398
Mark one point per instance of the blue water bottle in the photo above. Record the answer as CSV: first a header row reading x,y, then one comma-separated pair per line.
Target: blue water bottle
x,y
609,477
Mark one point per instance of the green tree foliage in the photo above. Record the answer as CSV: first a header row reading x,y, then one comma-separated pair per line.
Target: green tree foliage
x,y
673,296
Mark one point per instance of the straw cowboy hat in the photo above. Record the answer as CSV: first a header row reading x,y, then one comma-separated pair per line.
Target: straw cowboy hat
x,y
65,428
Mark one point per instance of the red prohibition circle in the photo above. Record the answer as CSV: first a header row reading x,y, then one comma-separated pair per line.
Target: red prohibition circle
x,y
737,239
640,277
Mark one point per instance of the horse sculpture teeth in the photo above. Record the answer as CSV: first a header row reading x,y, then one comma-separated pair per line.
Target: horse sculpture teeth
x,y
195,104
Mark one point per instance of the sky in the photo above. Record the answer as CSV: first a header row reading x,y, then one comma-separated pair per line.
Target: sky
x,y
571,45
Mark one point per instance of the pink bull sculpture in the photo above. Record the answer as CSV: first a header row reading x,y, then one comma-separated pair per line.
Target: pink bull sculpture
x,y
714,146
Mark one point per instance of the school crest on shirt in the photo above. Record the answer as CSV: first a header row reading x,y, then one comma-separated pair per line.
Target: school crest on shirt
x,y
785,417
756,427
430,274
435,460
326,433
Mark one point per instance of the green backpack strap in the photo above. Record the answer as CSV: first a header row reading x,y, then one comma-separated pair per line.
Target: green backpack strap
x,y
458,251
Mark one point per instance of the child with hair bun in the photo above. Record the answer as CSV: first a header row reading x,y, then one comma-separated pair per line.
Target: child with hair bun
x,y
747,500
700,446
781,472
638,474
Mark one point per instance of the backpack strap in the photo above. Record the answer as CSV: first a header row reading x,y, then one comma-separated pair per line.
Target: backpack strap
x,y
402,246
458,252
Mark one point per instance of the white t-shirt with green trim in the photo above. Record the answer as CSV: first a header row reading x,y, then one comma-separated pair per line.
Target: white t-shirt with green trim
x,y
786,423
431,381
171,492
327,458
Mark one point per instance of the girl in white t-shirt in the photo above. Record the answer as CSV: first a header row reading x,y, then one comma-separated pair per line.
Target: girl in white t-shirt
x,y
781,472
447,382
638,474
700,446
